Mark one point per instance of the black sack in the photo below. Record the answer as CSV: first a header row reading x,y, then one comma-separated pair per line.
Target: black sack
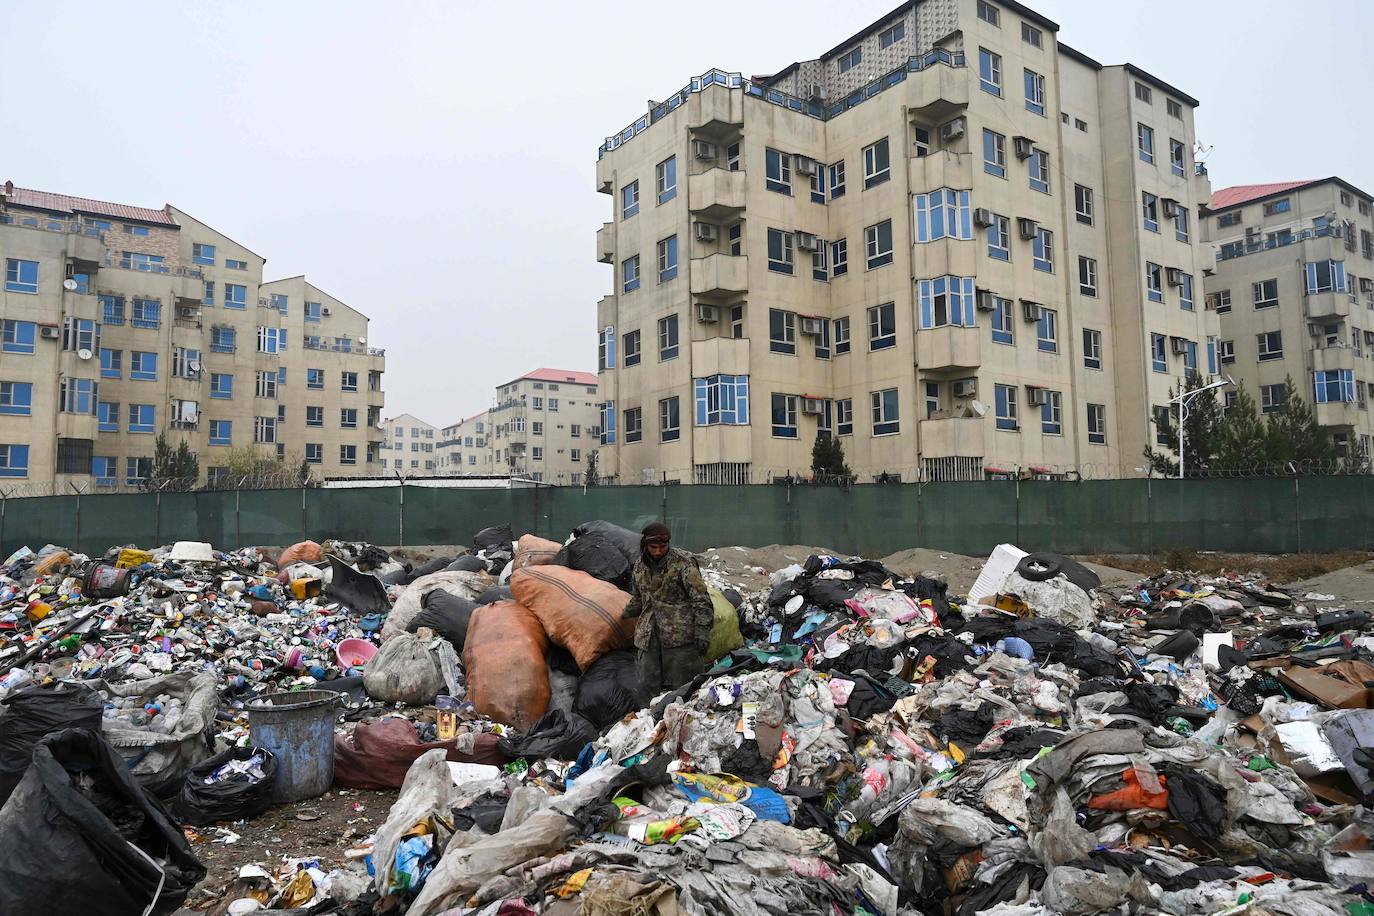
x,y
467,563
599,556
557,734
497,537
232,799
438,564
92,847
609,689
494,594
446,614
32,714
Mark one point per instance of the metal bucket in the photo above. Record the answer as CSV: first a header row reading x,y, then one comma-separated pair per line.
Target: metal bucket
x,y
299,729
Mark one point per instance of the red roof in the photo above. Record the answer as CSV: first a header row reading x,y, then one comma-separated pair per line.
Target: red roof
x,y
561,375
65,203
1244,193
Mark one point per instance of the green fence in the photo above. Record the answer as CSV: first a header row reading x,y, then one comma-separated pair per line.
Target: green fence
x,y
1265,515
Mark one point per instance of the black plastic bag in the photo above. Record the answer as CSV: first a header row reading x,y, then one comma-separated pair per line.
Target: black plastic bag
x,y
93,845
557,734
438,564
494,594
497,537
466,563
609,689
35,712
598,555
625,540
233,799
446,614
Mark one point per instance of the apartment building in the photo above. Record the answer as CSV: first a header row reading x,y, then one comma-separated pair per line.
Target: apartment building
x,y
544,424
1294,291
409,447
954,242
465,446
123,322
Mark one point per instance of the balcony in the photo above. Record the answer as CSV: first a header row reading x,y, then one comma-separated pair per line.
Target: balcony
x,y
938,94
1334,358
1335,413
952,437
605,243
716,194
720,275
1319,306
942,169
948,348
716,109
720,356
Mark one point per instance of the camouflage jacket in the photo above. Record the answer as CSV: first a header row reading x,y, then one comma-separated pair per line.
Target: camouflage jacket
x,y
672,600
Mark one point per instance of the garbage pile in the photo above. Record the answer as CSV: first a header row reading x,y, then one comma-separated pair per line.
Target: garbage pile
x,y
858,741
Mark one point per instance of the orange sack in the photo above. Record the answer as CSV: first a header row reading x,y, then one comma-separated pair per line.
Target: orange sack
x,y
506,657
302,552
579,611
535,551
1132,795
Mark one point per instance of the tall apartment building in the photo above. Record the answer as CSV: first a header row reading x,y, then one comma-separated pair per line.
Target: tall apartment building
x,y
959,245
1294,290
544,424
122,322
410,447
465,447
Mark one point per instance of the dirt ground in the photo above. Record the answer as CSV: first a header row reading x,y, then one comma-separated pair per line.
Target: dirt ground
x,y
1282,568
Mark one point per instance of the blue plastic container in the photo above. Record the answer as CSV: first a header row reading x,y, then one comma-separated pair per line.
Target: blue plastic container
x,y
298,727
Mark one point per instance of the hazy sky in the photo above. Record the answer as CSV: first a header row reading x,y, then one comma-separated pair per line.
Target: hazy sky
x,y
433,164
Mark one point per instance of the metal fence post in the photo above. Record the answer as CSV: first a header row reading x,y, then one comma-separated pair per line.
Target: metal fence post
x,y
305,533
1018,509
78,521
401,517
238,522
1149,516
1297,511
157,517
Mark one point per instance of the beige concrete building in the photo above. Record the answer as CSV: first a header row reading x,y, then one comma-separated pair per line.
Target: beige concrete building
x,y
957,244
544,424
1294,290
122,322
410,447
465,447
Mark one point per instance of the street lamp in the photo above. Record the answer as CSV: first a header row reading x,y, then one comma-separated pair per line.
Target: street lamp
x,y
1184,399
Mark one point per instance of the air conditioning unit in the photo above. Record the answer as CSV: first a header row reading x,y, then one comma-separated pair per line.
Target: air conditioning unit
x,y
813,326
49,332
965,388
813,406
708,314
1174,275
952,130
1023,147
704,232
806,241
1179,345
804,165
1315,329
186,311
982,216
703,149
325,310
985,301
1035,395
1026,227
1170,208
1031,310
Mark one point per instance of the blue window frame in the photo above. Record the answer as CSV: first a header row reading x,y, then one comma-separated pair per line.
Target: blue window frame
x,y
202,253
14,461
1047,331
629,274
107,417
1004,396
112,310
314,378
16,398
104,470
235,296
994,153
1334,385
19,336
990,72
777,168
1159,353
1040,171
722,400
111,363
313,311
999,238
1154,282
146,313
21,276
222,340
221,386
945,302
1042,251
667,259
142,366
608,423
314,452
221,432
1149,208
629,200
139,231
1325,277
142,418
209,297
1035,92
666,179
1185,292
1145,142
1190,356
943,213
1003,323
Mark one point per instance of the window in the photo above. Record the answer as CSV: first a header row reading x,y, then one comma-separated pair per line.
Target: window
x,y
1154,282
1181,223
990,72
209,297
669,420
836,174
111,363
722,400
994,153
235,265
777,171
536,453
18,336
107,417
1052,414
667,259
1211,355
882,326
844,416
1087,276
77,395
1185,292
1174,108
944,301
1092,349
142,417
665,180
1040,171
575,431
1083,204
884,404
280,302
782,331
818,185
112,309
348,417
1189,356
634,424
1145,142
314,378
348,381
1003,326
265,430
841,335
1097,424
1221,300
667,338
1031,35
1269,345
1272,397
16,398
1275,207
932,399
314,453
222,339
629,272
221,432
1047,331
1142,92
780,256
839,258
878,244
1226,351
314,416
629,200
989,13
147,313
1176,156
877,166
313,311
142,366
1004,397
890,36
1080,124
605,348
235,296
1325,277
1042,250
268,339
851,59
537,403
735,234
1334,385
1159,353
632,348
266,384
1035,92
14,461
221,386
202,253
104,469
784,416
21,276
1229,219
943,214
137,260
999,236
1149,208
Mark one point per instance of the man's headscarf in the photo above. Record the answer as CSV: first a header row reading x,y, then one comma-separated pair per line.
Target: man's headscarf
x,y
654,533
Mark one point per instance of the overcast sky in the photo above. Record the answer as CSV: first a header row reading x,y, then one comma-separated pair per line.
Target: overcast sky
x,y
433,164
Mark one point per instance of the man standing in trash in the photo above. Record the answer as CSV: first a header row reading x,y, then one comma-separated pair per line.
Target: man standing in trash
x,y
675,614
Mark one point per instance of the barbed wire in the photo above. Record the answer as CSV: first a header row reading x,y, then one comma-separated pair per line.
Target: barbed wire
x,y
287,480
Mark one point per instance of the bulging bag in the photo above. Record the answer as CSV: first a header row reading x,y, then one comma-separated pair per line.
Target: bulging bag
x,y
404,671
506,661
579,612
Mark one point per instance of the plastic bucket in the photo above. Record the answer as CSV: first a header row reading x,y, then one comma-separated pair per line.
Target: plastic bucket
x,y
299,729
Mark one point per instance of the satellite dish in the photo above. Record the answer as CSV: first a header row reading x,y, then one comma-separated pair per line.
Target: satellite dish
x,y
69,284
194,365
362,340
83,353
979,408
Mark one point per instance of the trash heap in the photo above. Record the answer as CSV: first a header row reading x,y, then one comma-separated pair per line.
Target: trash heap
x,y
861,743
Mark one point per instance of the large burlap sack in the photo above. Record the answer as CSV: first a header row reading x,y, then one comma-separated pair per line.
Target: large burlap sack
x,y
404,671
535,551
303,552
579,612
507,666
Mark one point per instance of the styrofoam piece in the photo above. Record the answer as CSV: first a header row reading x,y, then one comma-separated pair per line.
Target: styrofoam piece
x,y
1211,645
1001,563
471,772
193,551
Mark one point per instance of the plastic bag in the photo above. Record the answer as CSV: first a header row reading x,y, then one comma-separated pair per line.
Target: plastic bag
x,y
507,666
228,799
379,752
725,633
302,552
160,760
446,614
463,584
557,734
31,714
1061,840
609,689
404,671
598,555
428,789
579,612
64,851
